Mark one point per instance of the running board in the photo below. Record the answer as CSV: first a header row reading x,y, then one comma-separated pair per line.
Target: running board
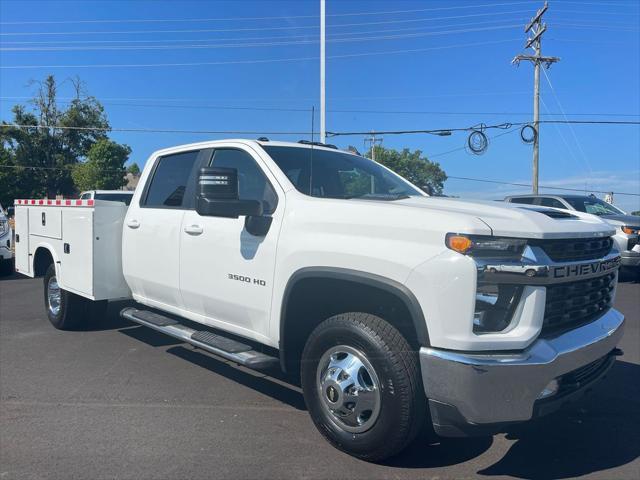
x,y
213,343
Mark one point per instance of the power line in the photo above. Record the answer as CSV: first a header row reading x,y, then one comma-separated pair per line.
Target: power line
x,y
288,17
573,133
458,149
566,144
249,29
258,61
438,131
584,12
608,4
540,186
307,110
506,125
150,130
300,99
263,44
270,38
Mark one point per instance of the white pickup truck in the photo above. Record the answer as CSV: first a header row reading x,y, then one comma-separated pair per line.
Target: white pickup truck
x,y
389,306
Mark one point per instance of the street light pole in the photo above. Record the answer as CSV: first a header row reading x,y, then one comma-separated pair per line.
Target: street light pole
x,y
323,131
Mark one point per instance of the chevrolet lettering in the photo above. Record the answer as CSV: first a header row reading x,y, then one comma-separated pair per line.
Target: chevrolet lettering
x,y
586,269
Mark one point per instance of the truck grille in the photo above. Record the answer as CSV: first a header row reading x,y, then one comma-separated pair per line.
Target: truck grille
x,y
573,304
584,375
575,249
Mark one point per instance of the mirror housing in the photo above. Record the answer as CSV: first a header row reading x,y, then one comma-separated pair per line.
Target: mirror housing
x,y
217,195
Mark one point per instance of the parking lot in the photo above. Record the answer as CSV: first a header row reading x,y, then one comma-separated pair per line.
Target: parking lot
x,y
121,401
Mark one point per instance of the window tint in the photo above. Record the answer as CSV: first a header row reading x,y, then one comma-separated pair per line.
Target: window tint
x,y
551,202
115,197
335,174
593,205
85,196
170,180
252,183
525,200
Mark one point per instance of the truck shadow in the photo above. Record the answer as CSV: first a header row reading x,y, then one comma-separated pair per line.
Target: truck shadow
x,y
273,384
597,433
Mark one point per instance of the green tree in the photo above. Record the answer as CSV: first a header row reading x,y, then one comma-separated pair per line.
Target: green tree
x,y
104,168
414,167
637,213
133,169
37,152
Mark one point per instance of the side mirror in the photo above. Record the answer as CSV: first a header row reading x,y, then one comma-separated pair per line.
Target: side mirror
x,y
217,195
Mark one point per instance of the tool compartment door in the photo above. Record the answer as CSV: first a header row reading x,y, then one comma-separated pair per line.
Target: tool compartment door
x,y
22,240
76,259
45,222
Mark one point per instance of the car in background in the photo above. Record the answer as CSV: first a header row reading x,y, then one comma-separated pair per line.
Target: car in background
x,y
627,226
124,196
6,252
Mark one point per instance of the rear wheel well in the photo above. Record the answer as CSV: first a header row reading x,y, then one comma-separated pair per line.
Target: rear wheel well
x,y
41,261
314,299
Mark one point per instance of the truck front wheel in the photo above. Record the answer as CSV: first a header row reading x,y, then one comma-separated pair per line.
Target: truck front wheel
x,y
362,386
66,310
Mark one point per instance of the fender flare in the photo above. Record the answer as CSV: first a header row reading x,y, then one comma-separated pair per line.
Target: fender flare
x,y
364,278
52,252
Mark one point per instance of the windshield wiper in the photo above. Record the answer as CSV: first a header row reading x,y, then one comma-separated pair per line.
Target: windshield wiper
x,y
379,196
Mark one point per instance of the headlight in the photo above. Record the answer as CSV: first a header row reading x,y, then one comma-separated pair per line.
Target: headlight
x,y
495,305
4,227
486,246
630,230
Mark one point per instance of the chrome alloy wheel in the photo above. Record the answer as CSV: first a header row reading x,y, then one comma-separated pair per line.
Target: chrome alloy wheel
x,y
349,388
53,296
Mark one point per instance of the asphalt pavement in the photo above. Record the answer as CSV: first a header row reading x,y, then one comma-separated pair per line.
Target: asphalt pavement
x,y
122,401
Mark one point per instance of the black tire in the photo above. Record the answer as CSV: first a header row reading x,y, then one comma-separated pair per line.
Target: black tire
x,y
6,268
74,311
402,401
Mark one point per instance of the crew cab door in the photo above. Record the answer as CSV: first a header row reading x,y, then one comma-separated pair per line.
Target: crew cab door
x,y
226,272
152,230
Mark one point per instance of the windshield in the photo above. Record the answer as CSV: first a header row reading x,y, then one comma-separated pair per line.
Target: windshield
x,y
594,206
115,197
327,174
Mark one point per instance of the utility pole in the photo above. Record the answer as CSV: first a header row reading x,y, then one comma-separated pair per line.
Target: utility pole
x,y
537,28
373,140
323,130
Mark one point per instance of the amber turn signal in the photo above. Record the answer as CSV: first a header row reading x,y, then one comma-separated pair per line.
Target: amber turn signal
x,y
459,243
629,230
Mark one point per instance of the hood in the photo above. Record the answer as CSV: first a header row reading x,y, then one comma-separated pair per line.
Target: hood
x,y
629,220
514,220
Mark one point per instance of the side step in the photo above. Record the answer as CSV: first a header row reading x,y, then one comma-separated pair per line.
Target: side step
x,y
217,344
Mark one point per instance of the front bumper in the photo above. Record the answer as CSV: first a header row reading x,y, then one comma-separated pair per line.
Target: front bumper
x,y
471,392
5,253
630,258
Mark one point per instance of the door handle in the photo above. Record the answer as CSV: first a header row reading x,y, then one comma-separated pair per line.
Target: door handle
x,y
133,223
193,229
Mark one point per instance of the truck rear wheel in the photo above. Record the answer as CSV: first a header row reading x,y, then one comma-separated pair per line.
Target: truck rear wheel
x,y
66,310
362,385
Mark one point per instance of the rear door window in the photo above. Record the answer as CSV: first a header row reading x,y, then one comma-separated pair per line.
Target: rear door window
x,y
525,200
551,202
171,181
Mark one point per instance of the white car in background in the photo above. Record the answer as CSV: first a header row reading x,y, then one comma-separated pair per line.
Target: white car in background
x,y
6,253
627,226
124,196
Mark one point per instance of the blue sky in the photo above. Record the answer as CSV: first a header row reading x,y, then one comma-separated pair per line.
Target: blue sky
x,y
448,60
